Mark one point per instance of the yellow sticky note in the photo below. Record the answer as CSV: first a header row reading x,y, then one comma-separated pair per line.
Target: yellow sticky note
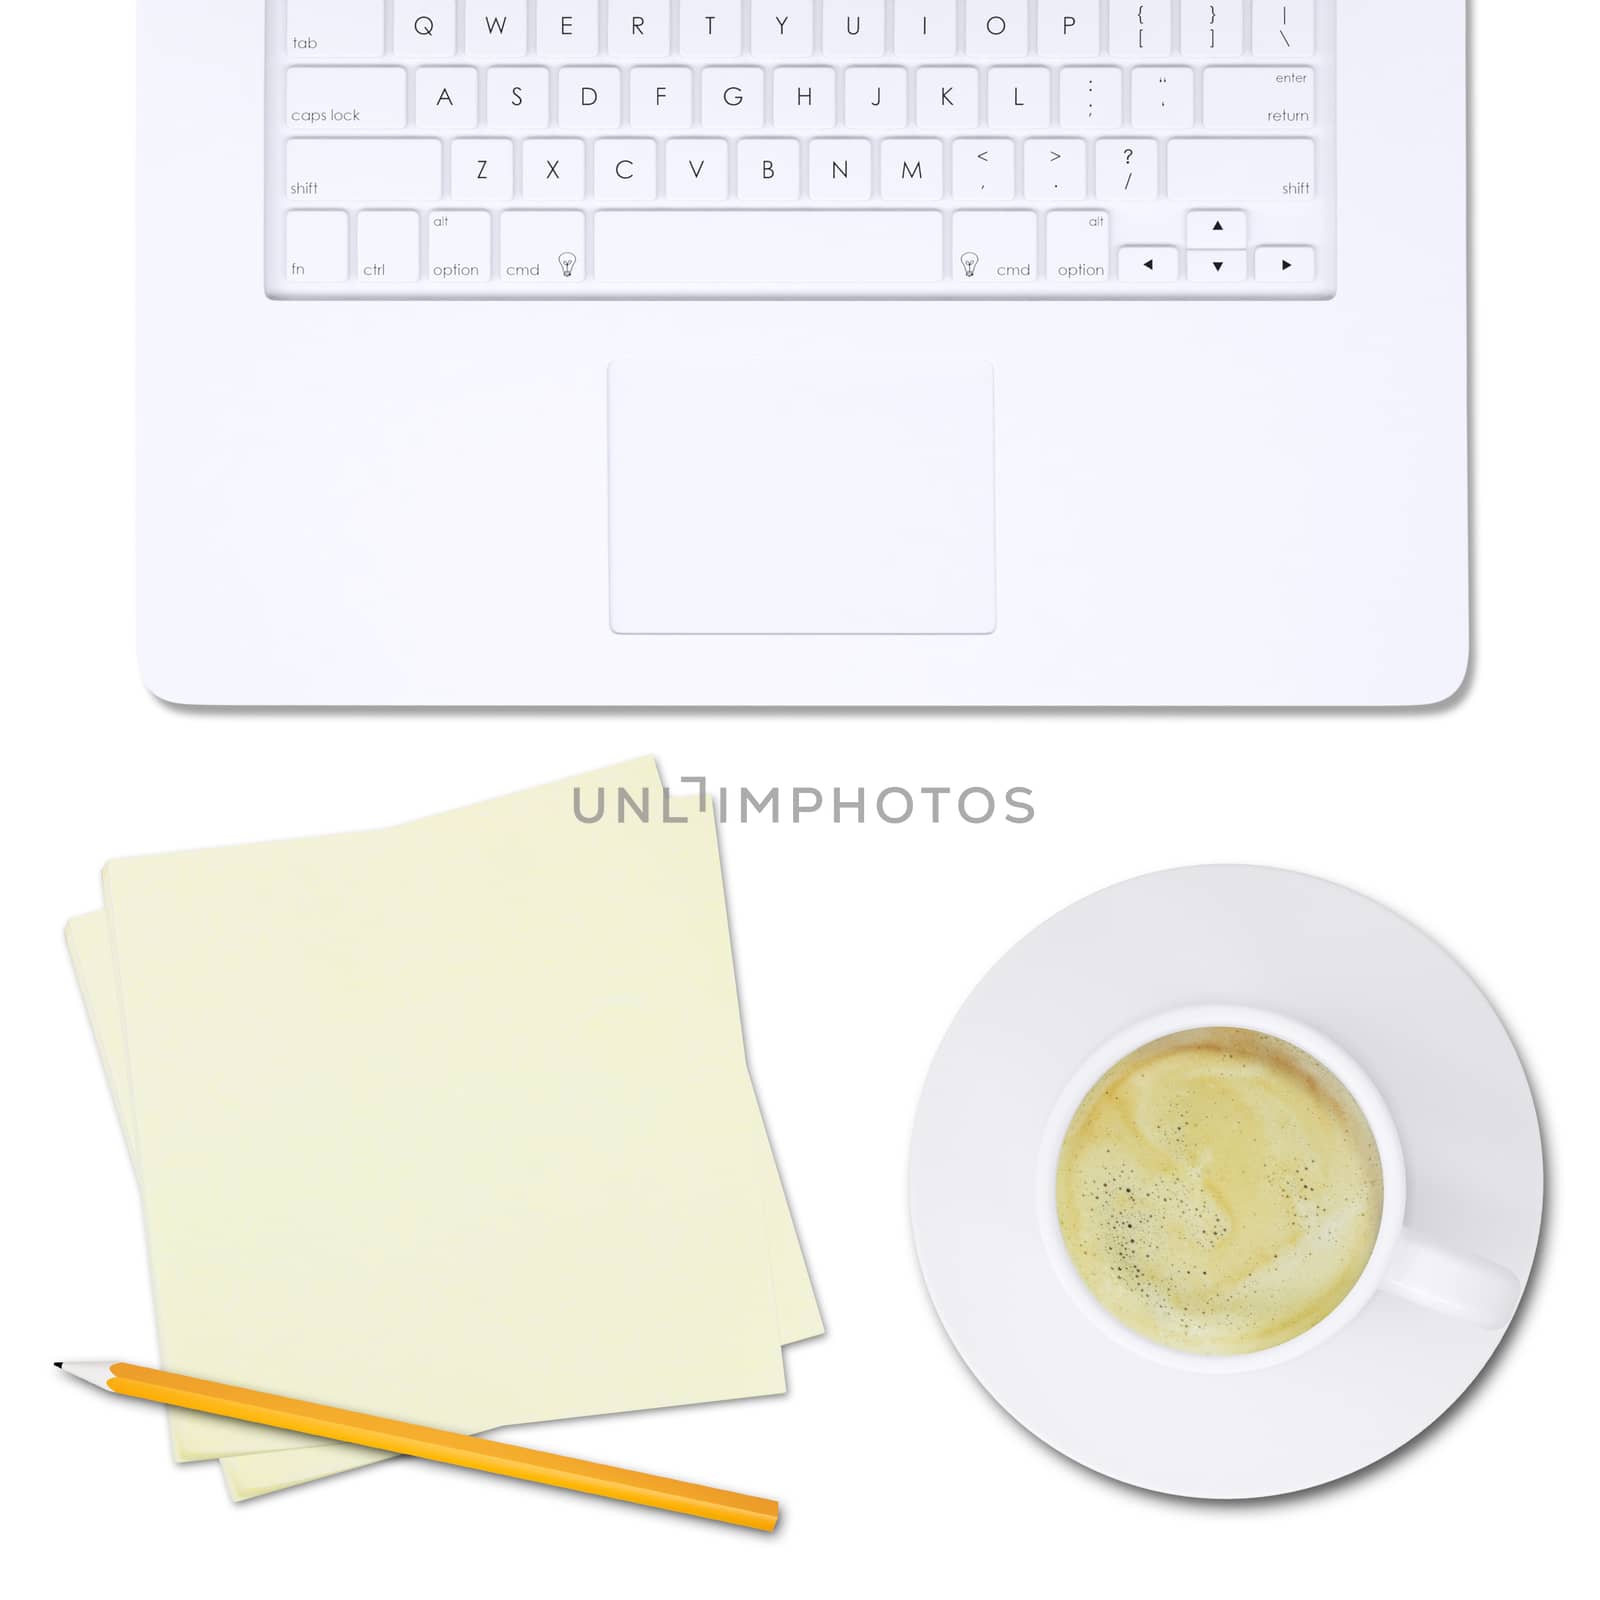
x,y
452,1121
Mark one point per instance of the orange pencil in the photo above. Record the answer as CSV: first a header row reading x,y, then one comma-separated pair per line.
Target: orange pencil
x,y
428,1444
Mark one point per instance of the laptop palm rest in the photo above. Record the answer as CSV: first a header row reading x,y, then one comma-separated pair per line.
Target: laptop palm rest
x,y
802,498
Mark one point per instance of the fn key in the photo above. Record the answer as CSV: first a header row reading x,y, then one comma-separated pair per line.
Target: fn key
x,y
316,247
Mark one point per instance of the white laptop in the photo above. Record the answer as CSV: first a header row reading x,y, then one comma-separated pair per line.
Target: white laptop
x,y
803,352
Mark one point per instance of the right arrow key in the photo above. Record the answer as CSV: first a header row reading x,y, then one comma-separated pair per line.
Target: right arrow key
x,y
1289,263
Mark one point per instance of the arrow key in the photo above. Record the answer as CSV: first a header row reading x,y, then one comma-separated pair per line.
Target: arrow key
x,y
1218,266
1290,263
1148,264
1216,230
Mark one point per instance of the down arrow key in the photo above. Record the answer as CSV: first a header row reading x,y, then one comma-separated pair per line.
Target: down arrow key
x,y
1218,266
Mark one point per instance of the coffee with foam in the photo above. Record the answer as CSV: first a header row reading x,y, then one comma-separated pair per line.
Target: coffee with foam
x,y
1219,1191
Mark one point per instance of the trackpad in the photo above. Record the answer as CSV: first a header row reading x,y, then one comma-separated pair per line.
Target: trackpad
x,y
819,498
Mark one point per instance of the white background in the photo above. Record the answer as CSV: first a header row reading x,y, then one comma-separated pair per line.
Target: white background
x,y
855,945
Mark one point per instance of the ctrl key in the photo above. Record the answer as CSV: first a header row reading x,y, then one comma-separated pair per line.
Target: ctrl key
x,y
388,248
316,247
1077,247
542,249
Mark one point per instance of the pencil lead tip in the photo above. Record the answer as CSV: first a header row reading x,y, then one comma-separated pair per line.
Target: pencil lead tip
x,y
61,1363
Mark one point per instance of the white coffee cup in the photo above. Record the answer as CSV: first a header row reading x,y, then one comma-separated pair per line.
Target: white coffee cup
x,y
1402,1263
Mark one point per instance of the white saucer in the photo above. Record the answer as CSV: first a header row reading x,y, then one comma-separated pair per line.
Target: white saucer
x,y
1257,938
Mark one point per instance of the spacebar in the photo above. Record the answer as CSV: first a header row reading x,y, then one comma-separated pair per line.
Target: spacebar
x,y
768,247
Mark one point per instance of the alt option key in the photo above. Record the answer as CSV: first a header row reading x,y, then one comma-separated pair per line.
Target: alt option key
x,y
1077,249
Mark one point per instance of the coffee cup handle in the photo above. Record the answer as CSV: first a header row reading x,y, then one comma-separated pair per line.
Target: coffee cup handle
x,y
1458,1285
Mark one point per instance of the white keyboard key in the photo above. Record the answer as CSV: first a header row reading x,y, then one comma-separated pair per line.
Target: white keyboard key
x,y
519,97
347,99
366,171
480,170
447,97
639,27
1126,169
875,97
497,27
1218,266
732,97
1213,27
1091,97
661,98
388,247
802,97
460,246
567,28
1289,263
911,169
625,169
947,97
1260,99
852,27
1217,230
983,169
329,28
589,97
1285,27
1069,28
925,28
1241,169
1147,264
542,247
790,249
1055,169
769,169
1163,97
1141,27
317,247
1077,249
1019,97
697,169
424,28
997,27
841,169
553,169
990,247
781,27
711,28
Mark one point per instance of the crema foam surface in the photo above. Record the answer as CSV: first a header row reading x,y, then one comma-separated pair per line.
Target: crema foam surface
x,y
1219,1191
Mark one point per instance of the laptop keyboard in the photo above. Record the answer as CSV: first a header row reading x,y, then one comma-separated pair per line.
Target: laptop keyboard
x,y
918,149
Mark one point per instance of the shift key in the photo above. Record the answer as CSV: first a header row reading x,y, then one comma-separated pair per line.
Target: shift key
x,y
1242,169
366,171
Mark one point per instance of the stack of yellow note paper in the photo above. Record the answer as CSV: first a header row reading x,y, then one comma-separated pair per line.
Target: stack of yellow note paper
x,y
449,1121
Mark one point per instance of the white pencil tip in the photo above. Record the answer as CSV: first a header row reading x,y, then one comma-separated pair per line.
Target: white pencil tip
x,y
96,1372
